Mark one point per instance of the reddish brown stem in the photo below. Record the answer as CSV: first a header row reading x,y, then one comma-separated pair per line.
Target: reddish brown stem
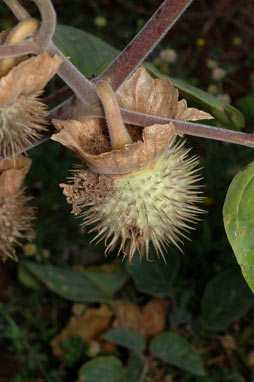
x,y
48,24
142,44
191,128
81,86
27,46
58,96
182,127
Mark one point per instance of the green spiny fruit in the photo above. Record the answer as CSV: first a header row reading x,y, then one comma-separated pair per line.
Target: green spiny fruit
x,y
155,204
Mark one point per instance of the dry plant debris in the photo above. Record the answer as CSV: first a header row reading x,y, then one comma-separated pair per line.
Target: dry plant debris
x,y
22,114
15,216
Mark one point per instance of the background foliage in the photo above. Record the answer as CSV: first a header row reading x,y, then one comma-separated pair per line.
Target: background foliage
x,y
69,314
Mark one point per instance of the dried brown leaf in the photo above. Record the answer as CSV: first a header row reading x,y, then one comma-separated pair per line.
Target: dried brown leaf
x,y
148,322
28,77
154,317
92,323
228,342
12,174
128,316
250,360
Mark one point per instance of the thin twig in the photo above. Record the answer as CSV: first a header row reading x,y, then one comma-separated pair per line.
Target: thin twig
x,y
17,9
142,44
24,47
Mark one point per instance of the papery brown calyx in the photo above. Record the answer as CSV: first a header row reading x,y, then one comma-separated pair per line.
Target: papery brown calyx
x,y
12,174
140,93
22,114
133,156
29,77
15,216
134,193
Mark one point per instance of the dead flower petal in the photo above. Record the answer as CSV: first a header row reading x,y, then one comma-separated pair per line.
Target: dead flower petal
x,y
28,77
158,97
89,140
133,156
12,174
90,136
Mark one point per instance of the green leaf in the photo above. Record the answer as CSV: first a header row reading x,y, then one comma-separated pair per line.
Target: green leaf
x,y
127,338
136,369
86,51
238,216
179,317
227,116
109,279
226,298
245,104
79,285
154,277
28,279
171,348
101,369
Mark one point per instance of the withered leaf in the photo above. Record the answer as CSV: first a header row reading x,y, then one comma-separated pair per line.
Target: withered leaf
x,y
88,326
84,137
12,174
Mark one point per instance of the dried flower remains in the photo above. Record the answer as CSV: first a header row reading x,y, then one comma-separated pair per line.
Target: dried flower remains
x,y
137,185
15,216
22,114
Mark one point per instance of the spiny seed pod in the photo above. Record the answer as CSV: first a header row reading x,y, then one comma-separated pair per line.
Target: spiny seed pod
x,y
22,114
153,204
15,216
143,190
21,123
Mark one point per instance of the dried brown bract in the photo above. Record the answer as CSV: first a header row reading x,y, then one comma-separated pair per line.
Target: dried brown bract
x,y
22,114
15,216
151,194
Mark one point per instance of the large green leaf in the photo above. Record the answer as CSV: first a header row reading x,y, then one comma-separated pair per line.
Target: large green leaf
x,y
136,369
226,298
79,285
226,115
238,215
127,338
175,350
86,51
154,277
101,369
